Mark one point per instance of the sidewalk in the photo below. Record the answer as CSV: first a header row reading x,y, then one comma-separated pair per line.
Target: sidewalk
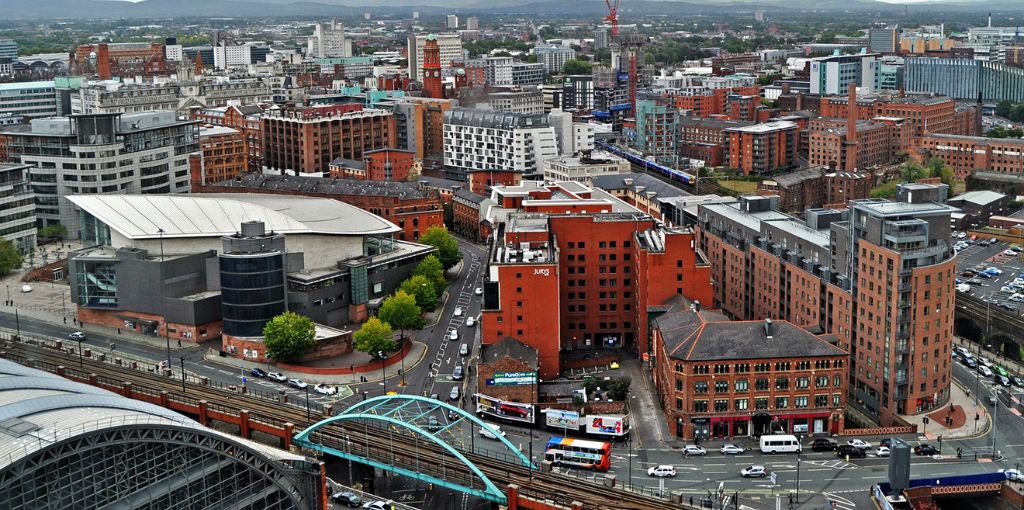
x,y
963,411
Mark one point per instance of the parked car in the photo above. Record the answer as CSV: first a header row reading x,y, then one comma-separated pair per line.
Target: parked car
x,y
970,363
1002,380
660,471
377,505
755,471
985,371
479,291
453,335
692,449
985,361
457,373
464,350
851,451
454,394
257,372
458,311
882,451
489,435
731,449
470,322
823,445
886,442
859,443
1017,381
77,336
925,449
297,383
277,376
347,498
1008,307
1014,475
325,389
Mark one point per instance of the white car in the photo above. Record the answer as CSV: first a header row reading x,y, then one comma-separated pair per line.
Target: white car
x,y
377,505
755,471
470,322
1013,475
731,449
487,433
325,389
985,362
882,451
995,270
660,471
453,335
985,371
458,311
277,376
859,443
297,383
691,449
479,291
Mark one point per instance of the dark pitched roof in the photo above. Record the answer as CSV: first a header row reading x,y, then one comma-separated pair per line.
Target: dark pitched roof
x,y
349,163
249,109
469,196
794,178
509,347
649,183
708,336
327,186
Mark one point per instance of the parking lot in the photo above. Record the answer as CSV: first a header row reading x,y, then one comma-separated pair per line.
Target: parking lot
x,y
977,256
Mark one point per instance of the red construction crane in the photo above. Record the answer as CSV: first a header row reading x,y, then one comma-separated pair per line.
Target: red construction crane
x,y
613,16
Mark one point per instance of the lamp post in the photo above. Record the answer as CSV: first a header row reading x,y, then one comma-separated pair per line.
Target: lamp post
x,y
383,375
995,413
308,417
8,303
183,374
64,305
401,352
167,329
798,478
81,364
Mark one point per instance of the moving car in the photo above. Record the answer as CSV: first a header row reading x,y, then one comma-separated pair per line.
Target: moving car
x,y
851,451
731,449
377,505
77,336
432,424
692,449
325,389
1002,380
297,383
464,350
660,471
257,372
882,451
985,371
457,373
458,311
823,445
1014,475
277,376
454,394
487,433
970,363
859,443
347,498
470,322
925,449
755,471
985,361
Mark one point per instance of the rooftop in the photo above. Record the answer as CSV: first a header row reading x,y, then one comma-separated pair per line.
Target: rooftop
x,y
509,347
794,178
208,215
880,207
327,186
635,180
983,197
765,127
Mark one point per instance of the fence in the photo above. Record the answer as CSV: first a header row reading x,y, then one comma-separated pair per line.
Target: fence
x,y
879,431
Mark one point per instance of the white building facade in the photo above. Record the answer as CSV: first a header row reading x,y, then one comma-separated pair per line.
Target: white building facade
x,y
449,44
329,41
487,140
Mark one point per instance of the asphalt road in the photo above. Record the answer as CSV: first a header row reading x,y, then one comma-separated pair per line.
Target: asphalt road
x,y
990,256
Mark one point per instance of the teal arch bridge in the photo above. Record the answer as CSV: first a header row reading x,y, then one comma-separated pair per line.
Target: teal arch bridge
x,y
417,437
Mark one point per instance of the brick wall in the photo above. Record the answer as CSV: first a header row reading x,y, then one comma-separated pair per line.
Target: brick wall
x,y
526,393
131,322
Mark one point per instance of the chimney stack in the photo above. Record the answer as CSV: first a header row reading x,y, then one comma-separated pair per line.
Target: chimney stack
x,y
768,329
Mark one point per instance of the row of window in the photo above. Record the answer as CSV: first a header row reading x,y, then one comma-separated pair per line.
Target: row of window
x,y
760,403
780,366
762,384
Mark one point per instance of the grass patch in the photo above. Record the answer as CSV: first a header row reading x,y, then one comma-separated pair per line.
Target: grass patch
x,y
741,187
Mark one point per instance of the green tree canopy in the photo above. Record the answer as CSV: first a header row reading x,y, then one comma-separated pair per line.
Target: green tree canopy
x,y
576,66
374,337
619,388
289,336
55,230
10,258
401,311
422,289
433,270
447,248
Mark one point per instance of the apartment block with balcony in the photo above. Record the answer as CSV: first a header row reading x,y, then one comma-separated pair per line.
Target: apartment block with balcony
x,y
762,148
17,207
487,140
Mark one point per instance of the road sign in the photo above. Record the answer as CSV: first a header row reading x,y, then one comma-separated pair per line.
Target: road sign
x,y
774,478
647,357
244,380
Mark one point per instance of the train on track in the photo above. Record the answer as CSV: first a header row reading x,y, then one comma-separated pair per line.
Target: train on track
x,y
639,160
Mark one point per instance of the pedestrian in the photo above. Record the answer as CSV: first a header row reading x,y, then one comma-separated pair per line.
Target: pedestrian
x,y
179,343
65,320
118,331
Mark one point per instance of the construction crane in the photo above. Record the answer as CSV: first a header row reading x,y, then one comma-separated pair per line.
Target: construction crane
x,y
613,16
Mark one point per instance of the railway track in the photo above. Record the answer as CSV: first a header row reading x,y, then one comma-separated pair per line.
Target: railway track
x,y
374,442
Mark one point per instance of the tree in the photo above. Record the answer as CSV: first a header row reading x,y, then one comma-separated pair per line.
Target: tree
x,y
432,269
10,258
289,336
401,311
421,288
1003,108
937,168
54,230
575,66
374,337
619,388
912,171
447,248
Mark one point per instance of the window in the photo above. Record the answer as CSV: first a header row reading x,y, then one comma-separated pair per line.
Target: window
x,y
721,386
800,402
836,399
762,367
761,403
821,401
700,369
742,368
740,404
721,406
679,404
700,387
782,402
837,381
761,384
821,381
741,385
782,383
721,369
700,406
803,382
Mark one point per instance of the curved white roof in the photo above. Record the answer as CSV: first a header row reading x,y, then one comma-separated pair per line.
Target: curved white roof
x,y
220,214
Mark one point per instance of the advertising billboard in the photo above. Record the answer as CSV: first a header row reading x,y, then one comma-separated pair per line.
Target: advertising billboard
x,y
569,420
516,411
512,379
607,425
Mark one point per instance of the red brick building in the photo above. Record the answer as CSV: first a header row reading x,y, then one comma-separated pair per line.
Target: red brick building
x,y
481,181
224,155
719,378
931,114
467,215
377,165
578,266
828,144
507,356
432,85
124,59
704,139
244,118
796,190
413,209
707,102
965,154
842,187
762,148
305,140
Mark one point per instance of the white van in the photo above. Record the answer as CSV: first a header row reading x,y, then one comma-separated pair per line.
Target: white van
x,y
780,444
486,433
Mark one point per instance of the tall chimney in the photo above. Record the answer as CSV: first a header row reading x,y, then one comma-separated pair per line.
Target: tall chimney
x,y
768,329
851,128
103,62
990,20
979,128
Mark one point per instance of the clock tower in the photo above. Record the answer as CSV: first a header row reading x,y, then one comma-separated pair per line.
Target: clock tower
x,y
432,86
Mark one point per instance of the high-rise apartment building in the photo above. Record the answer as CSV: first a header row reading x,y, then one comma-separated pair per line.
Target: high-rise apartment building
x,y
601,38
499,71
883,40
965,79
657,131
329,41
452,21
449,44
103,154
834,74
17,207
8,49
29,99
488,140
879,276
761,148
472,23
304,140
554,57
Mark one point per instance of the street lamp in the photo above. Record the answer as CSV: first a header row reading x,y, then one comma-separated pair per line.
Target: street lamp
x,y
798,478
183,375
64,306
81,364
8,303
995,413
167,329
383,375
308,417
